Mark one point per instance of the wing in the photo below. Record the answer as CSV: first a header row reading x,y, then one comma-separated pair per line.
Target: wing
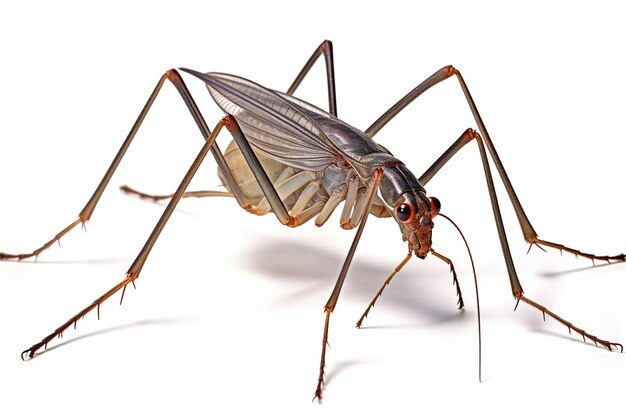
x,y
271,123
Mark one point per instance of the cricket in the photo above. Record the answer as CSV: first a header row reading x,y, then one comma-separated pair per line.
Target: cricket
x,y
300,162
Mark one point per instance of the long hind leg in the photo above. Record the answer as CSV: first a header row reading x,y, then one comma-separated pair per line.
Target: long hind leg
x,y
486,145
135,269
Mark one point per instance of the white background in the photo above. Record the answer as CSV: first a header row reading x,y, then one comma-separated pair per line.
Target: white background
x,y
228,315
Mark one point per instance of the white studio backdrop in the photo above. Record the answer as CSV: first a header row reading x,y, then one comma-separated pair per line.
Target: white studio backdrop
x,y
228,315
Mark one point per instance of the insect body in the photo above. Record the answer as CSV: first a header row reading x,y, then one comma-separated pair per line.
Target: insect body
x,y
331,162
300,162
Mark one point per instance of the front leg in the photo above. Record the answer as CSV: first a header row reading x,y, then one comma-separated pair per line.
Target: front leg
x,y
334,296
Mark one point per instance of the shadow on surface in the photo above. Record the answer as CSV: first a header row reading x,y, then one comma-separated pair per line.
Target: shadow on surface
x,y
312,271
573,270
338,368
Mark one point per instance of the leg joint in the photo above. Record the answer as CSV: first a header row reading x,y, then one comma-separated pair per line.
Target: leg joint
x,y
471,134
172,75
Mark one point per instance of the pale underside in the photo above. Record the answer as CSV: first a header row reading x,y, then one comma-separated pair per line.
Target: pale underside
x,y
303,150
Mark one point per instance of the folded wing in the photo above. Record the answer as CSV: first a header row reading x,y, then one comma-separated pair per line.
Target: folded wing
x,y
271,123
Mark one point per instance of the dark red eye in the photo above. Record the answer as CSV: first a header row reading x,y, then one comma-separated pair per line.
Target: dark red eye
x,y
435,205
405,212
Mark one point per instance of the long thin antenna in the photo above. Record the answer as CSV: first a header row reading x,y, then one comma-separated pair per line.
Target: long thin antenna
x,y
480,350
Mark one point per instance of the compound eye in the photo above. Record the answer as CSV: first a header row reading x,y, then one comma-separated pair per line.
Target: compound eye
x,y
405,213
435,205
